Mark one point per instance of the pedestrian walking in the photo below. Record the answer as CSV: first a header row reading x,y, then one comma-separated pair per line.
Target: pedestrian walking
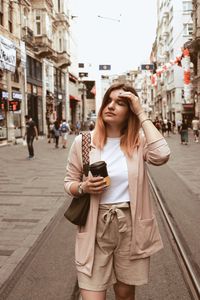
x,y
121,232
30,134
51,132
179,123
184,132
169,127
173,126
56,130
157,123
65,130
164,127
78,128
91,125
195,128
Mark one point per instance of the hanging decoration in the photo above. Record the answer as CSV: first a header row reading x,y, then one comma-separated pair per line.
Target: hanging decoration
x,y
187,79
182,61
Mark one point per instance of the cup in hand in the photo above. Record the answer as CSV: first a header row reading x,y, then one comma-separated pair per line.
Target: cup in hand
x,y
99,168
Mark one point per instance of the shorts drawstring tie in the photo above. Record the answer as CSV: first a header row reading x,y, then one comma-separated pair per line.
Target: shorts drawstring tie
x,y
115,210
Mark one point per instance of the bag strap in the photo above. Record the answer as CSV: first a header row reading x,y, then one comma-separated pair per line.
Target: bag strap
x,y
86,140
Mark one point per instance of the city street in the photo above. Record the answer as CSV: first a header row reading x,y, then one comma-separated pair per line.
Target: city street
x,y
37,243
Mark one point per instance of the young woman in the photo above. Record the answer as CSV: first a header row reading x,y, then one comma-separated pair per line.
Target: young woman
x,y
121,232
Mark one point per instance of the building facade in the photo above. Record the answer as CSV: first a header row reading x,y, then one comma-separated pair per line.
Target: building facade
x,y
194,49
174,28
12,72
35,56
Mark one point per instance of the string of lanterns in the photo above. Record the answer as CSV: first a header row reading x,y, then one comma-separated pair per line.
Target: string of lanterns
x,y
182,61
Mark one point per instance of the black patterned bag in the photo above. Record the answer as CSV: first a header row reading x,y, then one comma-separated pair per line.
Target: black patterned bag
x,y
77,211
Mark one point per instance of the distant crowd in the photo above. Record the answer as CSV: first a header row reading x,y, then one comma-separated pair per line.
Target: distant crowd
x,y
165,126
61,129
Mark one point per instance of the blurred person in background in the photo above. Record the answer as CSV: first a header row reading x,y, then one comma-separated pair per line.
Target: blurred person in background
x,y
30,134
195,128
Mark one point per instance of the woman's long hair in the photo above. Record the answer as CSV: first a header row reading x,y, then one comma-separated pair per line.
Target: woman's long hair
x,y
130,132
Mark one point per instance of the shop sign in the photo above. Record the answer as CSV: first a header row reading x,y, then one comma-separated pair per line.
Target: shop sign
x,y
5,95
16,96
7,54
23,53
14,105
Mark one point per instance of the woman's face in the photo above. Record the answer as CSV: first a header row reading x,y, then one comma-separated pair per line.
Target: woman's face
x,y
117,110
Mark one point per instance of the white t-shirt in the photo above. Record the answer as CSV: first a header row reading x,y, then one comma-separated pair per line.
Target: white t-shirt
x,y
195,124
117,171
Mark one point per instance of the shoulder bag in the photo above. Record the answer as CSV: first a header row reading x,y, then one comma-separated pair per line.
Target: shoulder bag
x,y
77,211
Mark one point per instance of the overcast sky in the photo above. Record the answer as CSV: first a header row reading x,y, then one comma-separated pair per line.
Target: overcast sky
x,y
125,44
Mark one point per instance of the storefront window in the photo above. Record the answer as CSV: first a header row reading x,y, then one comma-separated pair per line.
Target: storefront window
x,y
15,107
3,114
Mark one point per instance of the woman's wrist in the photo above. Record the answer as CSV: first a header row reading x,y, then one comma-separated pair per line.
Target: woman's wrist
x,y
142,116
83,187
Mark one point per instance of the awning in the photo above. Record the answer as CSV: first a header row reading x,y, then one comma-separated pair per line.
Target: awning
x,y
76,98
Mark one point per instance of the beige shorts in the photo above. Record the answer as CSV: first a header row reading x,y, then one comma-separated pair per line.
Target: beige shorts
x,y
112,248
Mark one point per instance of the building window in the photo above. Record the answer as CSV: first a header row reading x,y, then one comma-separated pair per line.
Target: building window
x,y
15,76
38,70
187,6
38,23
188,29
10,18
1,12
59,6
55,77
60,42
28,66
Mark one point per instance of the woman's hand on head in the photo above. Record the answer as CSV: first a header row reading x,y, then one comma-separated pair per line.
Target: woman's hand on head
x,y
133,100
94,185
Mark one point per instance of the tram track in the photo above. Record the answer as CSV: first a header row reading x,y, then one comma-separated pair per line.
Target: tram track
x,y
190,275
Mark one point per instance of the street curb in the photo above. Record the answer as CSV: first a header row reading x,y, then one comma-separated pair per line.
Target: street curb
x,y
22,255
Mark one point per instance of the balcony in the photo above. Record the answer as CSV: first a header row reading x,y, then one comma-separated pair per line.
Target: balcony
x,y
27,35
165,32
61,18
42,46
165,14
63,59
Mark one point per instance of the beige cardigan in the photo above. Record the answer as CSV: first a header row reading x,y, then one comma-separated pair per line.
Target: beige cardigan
x,y
146,239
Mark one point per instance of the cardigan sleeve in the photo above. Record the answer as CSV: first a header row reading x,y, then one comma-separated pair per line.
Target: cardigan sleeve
x,y
74,170
156,153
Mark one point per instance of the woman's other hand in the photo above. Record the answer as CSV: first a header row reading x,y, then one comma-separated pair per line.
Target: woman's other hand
x,y
133,100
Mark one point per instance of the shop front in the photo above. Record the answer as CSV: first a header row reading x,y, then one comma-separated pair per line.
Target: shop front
x,y
34,103
15,108
188,112
3,114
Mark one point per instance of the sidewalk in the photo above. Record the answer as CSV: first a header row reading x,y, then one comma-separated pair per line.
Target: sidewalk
x,y
178,184
31,194
185,161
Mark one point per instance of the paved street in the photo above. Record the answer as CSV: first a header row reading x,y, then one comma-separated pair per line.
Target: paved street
x,y
178,182
31,194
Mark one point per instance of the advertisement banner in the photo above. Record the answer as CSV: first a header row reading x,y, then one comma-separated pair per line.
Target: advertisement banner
x,y
7,54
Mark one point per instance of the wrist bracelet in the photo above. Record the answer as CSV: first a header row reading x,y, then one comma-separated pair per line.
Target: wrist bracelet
x,y
145,121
